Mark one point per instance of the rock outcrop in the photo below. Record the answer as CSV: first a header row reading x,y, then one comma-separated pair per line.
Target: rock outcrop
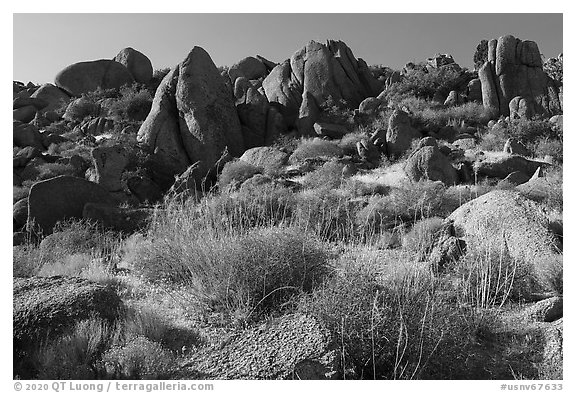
x,y
60,198
314,76
88,76
137,63
428,163
46,307
514,69
400,133
289,347
193,119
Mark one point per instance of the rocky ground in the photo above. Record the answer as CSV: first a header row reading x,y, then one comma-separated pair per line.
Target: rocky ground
x,y
317,218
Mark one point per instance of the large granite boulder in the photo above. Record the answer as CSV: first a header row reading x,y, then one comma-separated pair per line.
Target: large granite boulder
x,y
60,198
109,162
400,133
290,347
428,163
55,97
193,119
88,76
320,74
137,63
514,69
46,307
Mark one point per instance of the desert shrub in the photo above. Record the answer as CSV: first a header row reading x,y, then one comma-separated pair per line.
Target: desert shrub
x,y
481,54
76,354
81,108
236,172
327,176
422,233
134,103
256,205
425,83
433,116
554,68
357,188
489,278
493,139
74,246
554,148
241,272
529,131
348,142
326,213
19,192
26,260
336,112
404,205
395,326
138,358
50,170
315,148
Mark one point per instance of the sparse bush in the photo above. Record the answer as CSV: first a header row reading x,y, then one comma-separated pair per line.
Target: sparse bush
x,y
423,83
529,131
549,147
348,142
422,233
234,271
326,213
76,354
327,176
235,173
390,327
336,112
134,103
315,148
50,170
139,358
26,260
19,192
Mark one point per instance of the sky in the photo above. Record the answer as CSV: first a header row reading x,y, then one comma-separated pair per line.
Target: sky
x,y
43,44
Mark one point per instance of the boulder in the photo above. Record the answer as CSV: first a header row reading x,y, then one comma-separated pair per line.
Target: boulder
x,y
208,119
25,155
269,158
26,135
20,214
137,63
539,189
316,76
46,307
160,133
61,198
109,162
512,146
249,68
24,114
372,105
81,108
193,119
454,99
53,96
505,223
400,133
88,76
521,108
546,310
516,178
474,90
428,163
289,347
144,189
514,68
119,219
97,126
37,103
333,131
501,165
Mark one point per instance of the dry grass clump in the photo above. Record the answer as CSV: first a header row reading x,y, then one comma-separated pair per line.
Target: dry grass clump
x,y
392,324
239,271
327,176
326,213
315,148
235,173
421,234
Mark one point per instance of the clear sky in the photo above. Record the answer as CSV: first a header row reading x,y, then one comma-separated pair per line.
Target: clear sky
x,y
46,43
